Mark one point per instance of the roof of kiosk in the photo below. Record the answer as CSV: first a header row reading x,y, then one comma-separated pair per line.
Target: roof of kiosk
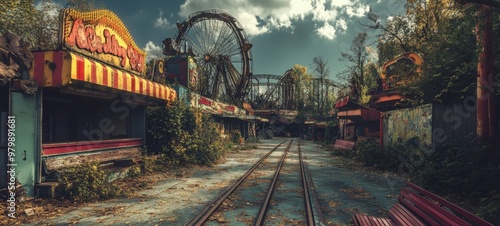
x,y
98,54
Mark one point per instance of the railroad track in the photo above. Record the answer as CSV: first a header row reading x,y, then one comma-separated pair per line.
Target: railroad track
x,y
256,183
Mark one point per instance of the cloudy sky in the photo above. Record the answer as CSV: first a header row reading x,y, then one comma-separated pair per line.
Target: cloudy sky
x,y
283,32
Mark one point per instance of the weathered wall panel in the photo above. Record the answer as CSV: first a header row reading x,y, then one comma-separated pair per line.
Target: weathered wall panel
x,y
454,122
25,109
404,124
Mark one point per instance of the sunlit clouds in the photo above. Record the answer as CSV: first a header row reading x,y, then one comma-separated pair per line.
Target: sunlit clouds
x,y
161,21
262,16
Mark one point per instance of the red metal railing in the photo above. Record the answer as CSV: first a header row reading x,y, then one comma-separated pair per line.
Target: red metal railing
x,y
86,146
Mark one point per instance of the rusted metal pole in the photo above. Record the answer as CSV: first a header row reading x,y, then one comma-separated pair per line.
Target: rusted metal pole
x,y
485,83
381,131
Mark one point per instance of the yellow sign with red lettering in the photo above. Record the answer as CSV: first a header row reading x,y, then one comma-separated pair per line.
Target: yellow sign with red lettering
x,y
101,35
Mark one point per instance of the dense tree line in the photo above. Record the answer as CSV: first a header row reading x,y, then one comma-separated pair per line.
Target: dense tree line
x,y
314,92
38,23
443,32
448,34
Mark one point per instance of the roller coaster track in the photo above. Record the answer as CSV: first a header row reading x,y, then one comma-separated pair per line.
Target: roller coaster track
x,y
269,92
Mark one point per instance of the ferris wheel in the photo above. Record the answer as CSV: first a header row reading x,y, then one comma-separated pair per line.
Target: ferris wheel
x,y
218,43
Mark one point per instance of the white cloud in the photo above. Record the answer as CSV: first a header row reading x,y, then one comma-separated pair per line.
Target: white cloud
x,y
161,21
357,11
340,3
251,24
341,24
321,13
326,31
153,51
262,16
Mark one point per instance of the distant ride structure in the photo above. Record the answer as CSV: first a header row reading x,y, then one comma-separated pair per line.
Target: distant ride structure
x,y
221,50
272,91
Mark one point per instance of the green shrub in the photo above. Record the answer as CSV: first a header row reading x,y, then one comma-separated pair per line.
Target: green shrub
x,y
248,147
86,182
236,136
148,164
464,172
369,153
396,155
460,168
182,136
208,147
229,145
340,152
134,171
331,132
168,127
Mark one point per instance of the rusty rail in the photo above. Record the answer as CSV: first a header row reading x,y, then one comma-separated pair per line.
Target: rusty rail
x,y
305,188
210,209
263,210
319,217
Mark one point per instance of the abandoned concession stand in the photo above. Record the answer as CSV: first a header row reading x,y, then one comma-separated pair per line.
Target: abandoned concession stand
x,y
90,102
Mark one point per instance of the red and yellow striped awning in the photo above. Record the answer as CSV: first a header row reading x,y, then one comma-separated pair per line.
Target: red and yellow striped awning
x,y
62,68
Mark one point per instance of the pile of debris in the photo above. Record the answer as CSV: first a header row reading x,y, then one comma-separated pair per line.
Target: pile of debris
x,y
15,61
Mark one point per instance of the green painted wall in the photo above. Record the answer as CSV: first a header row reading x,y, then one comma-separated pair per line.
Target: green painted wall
x,y
26,109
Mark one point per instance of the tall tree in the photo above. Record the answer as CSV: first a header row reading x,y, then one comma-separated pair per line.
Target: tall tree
x,y
441,32
303,90
322,71
19,17
396,38
45,32
85,5
38,26
356,59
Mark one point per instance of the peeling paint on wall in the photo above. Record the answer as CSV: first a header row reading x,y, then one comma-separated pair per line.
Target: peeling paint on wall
x,y
404,124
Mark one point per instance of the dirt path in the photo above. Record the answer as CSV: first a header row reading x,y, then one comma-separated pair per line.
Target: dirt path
x,y
343,192
175,200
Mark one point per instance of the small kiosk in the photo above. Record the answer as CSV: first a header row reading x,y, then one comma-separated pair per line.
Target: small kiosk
x,y
90,102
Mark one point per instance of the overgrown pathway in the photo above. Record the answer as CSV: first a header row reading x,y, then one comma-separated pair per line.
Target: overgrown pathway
x,y
176,199
344,192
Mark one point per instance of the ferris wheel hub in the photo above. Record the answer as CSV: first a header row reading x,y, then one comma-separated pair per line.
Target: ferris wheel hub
x,y
206,58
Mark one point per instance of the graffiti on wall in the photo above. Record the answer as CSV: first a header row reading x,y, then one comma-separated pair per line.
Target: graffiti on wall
x,y
193,73
405,124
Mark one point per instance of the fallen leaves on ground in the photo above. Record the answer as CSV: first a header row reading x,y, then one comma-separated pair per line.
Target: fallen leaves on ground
x,y
333,204
219,217
37,209
357,193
